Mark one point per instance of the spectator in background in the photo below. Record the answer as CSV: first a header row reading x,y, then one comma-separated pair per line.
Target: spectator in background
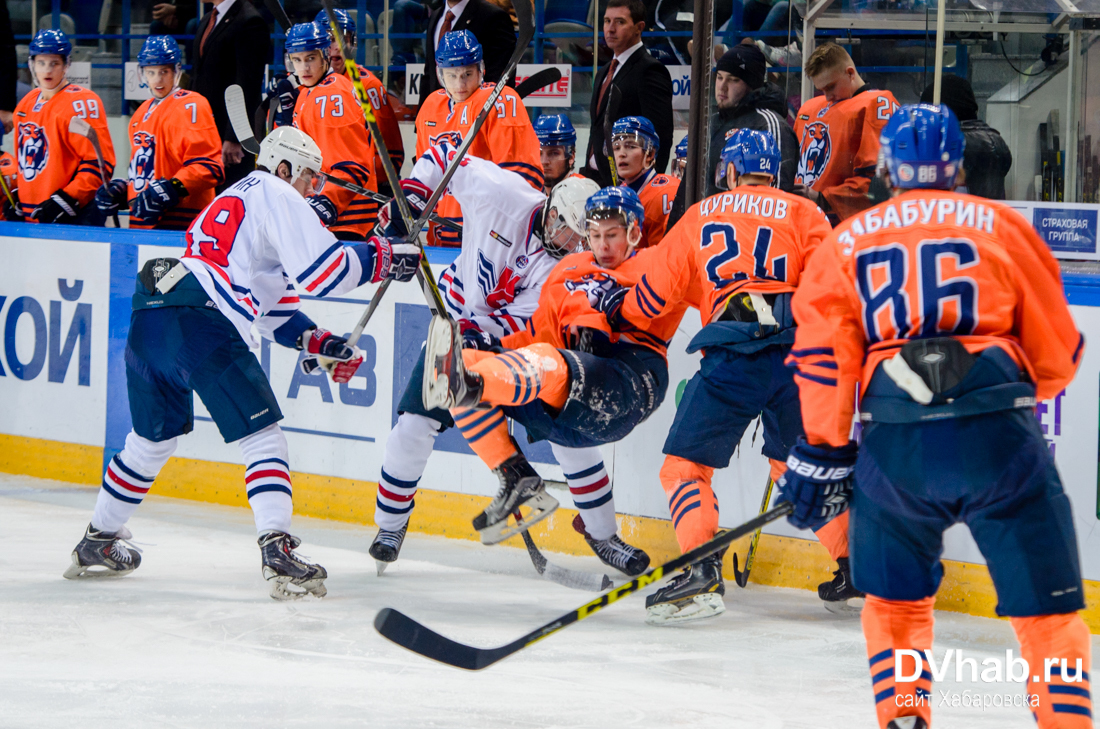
x,y
492,27
988,158
231,46
7,69
643,82
176,17
745,99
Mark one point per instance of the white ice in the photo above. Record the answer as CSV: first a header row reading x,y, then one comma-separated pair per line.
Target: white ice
x,y
192,639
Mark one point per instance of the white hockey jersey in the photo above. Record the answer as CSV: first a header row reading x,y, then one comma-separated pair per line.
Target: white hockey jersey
x,y
496,279
257,245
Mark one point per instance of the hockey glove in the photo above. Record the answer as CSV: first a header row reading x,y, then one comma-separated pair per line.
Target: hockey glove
x,y
61,207
390,223
160,196
818,482
109,197
13,213
473,337
325,209
331,353
286,96
608,299
394,258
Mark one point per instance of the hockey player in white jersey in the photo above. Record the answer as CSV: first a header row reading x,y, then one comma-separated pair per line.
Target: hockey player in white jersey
x,y
249,254
512,238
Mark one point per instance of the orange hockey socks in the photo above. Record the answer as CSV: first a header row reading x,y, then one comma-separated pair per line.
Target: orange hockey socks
x,y
833,535
487,433
1062,643
519,376
691,501
890,626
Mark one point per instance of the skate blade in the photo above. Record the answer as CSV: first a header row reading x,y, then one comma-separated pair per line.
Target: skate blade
x,y
436,390
541,505
77,571
281,588
699,607
847,608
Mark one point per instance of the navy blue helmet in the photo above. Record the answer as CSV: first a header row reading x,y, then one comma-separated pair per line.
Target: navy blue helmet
x,y
751,152
555,130
458,48
159,50
922,147
50,42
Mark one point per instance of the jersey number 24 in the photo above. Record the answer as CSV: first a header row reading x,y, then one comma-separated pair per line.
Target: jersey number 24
x,y
715,233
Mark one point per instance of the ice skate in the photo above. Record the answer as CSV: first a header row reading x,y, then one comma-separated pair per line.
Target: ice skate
x,y
283,568
694,595
520,486
839,595
386,547
447,384
103,554
907,722
614,552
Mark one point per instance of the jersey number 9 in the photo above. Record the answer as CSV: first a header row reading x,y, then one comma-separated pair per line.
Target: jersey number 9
x,y
217,230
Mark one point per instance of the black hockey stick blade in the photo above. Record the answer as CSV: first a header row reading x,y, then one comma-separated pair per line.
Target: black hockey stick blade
x,y
573,579
238,119
407,633
530,85
614,98
279,14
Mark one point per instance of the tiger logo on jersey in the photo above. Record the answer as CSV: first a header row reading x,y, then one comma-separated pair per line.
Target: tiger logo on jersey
x,y
590,283
141,162
34,150
815,152
452,138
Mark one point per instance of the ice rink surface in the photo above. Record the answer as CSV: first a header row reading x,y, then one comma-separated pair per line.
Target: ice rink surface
x,y
191,639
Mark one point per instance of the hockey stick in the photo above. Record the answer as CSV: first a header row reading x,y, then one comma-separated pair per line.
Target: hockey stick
x,y
742,578
614,97
530,85
278,13
238,119
79,126
377,197
407,633
587,581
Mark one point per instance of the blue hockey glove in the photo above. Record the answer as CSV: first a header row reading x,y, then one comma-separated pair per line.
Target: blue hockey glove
x,y
608,299
473,337
325,209
394,258
160,196
60,207
285,97
818,482
390,223
109,197
332,353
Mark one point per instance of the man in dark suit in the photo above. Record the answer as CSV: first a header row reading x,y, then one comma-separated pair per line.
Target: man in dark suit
x,y
643,82
491,25
232,44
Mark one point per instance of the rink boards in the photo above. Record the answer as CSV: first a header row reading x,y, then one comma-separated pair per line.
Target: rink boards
x,y
64,314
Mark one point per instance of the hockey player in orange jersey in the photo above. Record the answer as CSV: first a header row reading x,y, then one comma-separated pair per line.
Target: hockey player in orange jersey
x,y
506,138
570,376
9,171
557,147
838,134
175,158
327,110
736,257
58,170
948,313
635,144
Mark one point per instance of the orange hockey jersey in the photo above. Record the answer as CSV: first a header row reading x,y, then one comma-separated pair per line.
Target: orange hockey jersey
x,y
506,138
656,191
387,123
754,239
175,137
564,306
9,170
927,263
838,147
330,114
52,159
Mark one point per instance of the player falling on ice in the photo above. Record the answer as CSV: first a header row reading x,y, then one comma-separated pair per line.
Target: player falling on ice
x,y
570,377
191,330
326,109
58,169
635,144
557,147
948,311
744,250
506,138
509,237
176,158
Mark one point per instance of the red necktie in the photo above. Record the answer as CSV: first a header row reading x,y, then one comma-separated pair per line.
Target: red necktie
x,y
606,83
448,19
206,33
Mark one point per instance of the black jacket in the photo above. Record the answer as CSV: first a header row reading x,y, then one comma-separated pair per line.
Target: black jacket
x,y
646,89
986,161
765,110
7,60
236,52
491,25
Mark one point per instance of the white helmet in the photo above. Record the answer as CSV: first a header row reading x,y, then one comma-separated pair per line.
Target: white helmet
x,y
290,145
563,223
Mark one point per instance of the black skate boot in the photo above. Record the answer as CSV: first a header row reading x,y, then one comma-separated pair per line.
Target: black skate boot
x,y
520,486
614,552
693,595
839,595
447,384
386,547
282,568
907,722
102,554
